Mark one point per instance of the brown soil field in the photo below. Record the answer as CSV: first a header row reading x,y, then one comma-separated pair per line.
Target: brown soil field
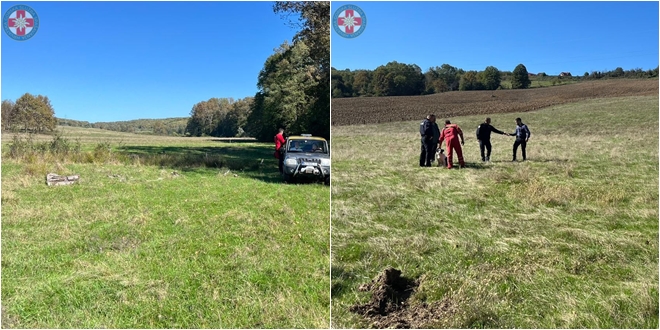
x,y
373,110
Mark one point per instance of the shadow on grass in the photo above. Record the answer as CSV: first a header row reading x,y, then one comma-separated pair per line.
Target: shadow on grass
x,y
468,165
342,281
233,140
254,161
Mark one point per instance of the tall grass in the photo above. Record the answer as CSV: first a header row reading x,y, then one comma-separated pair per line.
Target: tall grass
x,y
567,239
28,150
172,233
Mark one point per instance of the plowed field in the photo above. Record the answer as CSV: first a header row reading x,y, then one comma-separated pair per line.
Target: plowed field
x,y
372,110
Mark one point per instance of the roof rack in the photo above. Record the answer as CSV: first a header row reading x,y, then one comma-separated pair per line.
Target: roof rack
x,y
305,134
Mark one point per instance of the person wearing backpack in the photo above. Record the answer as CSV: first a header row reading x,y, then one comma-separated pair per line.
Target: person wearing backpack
x,y
522,135
451,133
483,136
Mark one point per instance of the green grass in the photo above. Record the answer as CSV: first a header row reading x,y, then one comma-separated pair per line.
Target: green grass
x,y
163,239
537,82
568,239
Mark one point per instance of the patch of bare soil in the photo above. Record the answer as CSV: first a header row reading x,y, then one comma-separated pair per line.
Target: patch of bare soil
x,y
374,110
389,306
8,321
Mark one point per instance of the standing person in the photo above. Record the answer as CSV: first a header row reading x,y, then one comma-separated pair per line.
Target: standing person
x,y
280,141
451,133
522,135
483,136
430,133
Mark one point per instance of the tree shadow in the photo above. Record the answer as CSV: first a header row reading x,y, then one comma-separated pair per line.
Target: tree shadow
x,y
342,281
542,160
234,140
253,161
468,166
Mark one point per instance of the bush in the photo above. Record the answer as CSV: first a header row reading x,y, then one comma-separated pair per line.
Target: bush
x,y
102,152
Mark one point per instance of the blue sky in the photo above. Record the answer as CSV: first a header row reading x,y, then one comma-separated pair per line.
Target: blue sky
x,y
548,37
113,61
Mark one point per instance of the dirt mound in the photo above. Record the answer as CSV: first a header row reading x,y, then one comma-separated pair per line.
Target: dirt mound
x,y
389,307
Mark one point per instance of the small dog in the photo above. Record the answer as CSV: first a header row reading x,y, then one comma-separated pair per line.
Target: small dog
x,y
441,157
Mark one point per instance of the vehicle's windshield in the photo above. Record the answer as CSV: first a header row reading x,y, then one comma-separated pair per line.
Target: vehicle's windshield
x,y
307,146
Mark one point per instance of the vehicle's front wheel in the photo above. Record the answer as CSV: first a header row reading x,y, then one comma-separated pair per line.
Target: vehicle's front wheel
x,y
287,178
327,181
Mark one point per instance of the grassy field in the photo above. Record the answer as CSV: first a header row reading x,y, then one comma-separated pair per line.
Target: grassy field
x,y
536,82
161,232
567,239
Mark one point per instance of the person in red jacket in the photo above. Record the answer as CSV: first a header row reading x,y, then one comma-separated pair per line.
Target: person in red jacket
x,y
451,133
280,141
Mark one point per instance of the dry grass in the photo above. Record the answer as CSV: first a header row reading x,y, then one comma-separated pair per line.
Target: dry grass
x,y
568,239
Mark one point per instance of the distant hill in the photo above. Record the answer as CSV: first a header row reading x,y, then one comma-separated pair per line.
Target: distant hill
x,y
167,126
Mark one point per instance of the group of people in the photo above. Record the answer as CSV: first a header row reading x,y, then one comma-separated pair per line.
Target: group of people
x,y
432,136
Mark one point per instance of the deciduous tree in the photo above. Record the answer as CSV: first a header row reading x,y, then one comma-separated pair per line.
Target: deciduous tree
x,y
490,78
520,77
7,114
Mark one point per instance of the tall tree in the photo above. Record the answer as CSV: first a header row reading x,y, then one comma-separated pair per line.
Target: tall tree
x,y
233,124
450,75
520,77
7,114
45,115
206,116
314,24
398,79
255,124
315,32
490,78
34,113
362,83
470,81
294,85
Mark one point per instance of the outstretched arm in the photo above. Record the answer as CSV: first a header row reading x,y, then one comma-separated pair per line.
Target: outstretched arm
x,y
498,131
514,133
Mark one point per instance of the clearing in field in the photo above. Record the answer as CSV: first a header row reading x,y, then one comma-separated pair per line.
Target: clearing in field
x,y
567,239
159,233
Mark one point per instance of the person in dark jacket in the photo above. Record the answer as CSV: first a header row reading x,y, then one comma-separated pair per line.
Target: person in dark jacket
x,y
522,135
483,136
430,133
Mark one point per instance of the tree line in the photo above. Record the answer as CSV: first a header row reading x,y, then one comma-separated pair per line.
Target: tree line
x,y
294,88
221,117
396,79
166,126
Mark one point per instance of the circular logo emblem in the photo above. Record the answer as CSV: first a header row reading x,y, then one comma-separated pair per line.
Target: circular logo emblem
x,y
20,22
349,21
